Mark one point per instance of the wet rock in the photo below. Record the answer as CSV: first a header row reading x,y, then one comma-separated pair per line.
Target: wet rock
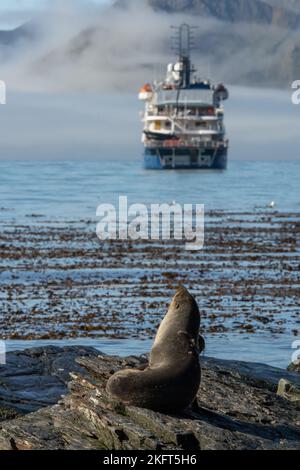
x,y
8,413
294,367
253,373
238,408
37,377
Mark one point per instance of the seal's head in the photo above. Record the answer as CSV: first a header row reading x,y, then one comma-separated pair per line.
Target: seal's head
x,y
185,309
179,330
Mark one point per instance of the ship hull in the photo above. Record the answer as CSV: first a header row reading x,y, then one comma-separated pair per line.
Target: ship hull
x,y
162,159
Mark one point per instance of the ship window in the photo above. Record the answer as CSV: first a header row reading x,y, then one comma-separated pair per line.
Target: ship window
x,y
167,124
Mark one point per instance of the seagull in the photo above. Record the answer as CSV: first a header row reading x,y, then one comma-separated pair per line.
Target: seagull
x,y
271,205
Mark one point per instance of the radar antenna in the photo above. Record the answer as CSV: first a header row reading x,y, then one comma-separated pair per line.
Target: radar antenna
x,y
183,41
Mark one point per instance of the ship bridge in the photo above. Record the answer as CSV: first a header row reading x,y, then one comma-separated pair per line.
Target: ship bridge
x,y
184,97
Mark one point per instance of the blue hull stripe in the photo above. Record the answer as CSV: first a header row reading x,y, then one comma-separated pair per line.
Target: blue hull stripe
x,y
153,162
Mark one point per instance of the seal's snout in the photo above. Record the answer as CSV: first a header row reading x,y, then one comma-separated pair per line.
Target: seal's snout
x,y
183,296
182,293
182,289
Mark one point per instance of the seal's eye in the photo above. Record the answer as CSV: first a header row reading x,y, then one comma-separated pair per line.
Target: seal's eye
x,y
177,306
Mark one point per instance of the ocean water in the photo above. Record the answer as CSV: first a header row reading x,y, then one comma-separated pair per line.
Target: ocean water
x,y
39,193
276,351
72,189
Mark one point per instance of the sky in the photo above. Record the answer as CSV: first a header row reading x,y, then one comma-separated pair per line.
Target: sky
x,y
15,12
31,4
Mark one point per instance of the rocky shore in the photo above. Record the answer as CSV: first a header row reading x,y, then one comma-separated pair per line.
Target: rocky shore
x,y
55,398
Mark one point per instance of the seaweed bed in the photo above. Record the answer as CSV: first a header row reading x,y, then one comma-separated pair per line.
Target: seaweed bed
x,y
58,281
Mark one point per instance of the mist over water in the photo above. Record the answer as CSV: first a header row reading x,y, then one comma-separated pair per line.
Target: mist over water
x,y
261,125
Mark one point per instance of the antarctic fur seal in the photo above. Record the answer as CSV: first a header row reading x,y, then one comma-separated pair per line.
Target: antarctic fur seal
x,y
170,382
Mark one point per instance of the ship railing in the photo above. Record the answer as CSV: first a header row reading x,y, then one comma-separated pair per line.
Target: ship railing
x,y
182,115
174,143
183,127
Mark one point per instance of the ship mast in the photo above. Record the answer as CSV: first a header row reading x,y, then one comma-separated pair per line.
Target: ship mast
x,y
183,42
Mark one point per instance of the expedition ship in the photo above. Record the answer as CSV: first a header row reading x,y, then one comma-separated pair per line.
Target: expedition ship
x,y
184,116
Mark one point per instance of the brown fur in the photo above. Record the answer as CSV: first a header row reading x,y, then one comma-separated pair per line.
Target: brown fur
x,y
171,380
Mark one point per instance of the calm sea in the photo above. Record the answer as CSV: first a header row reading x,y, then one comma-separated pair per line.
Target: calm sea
x,y
74,189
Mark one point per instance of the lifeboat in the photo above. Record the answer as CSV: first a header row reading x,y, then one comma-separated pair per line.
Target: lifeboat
x,y
146,92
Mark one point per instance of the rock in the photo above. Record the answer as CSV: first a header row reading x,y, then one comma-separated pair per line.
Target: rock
x,y
253,373
289,391
8,413
238,409
294,367
37,377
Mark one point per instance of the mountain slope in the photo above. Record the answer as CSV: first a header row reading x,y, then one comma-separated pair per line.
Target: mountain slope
x,y
13,36
237,41
250,11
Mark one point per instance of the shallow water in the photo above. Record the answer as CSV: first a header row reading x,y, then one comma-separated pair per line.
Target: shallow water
x,y
47,228
276,350
72,190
